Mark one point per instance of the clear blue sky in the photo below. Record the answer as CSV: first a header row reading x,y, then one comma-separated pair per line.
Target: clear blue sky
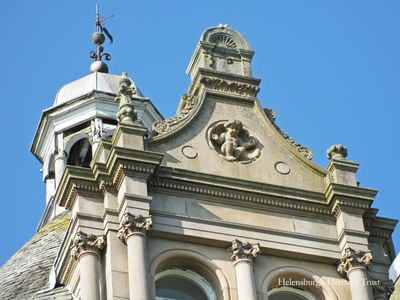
x,y
330,69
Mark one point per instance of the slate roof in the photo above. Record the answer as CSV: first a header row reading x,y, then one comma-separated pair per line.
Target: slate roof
x,y
27,271
60,293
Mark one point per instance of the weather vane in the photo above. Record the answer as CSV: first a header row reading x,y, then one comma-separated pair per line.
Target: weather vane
x,y
98,39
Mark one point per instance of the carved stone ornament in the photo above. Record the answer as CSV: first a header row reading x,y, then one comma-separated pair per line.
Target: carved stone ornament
x,y
131,224
185,109
126,113
336,152
383,289
97,129
352,259
87,243
233,142
230,86
307,153
244,250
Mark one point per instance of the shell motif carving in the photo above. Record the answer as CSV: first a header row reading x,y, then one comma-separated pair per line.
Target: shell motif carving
x,y
233,142
223,40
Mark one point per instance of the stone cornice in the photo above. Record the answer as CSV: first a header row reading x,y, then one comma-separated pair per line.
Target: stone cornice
x,y
105,176
123,162
380,228
342,164
75,180
234,190
346,191
349,198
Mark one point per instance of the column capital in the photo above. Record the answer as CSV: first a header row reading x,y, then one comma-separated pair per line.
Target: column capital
x,y
133,224
87,243
352,259
383,289
244,250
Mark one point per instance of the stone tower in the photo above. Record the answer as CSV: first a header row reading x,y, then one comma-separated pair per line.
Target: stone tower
x,y
216,202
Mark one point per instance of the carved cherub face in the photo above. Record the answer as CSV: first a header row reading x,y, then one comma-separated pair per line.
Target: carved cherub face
x,y
233,127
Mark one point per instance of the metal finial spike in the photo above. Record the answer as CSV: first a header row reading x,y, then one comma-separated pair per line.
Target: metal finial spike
x,y
98,39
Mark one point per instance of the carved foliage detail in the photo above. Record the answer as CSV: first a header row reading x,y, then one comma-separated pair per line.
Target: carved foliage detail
x,y
131,224
186,107
244,250
126,113
83,243
233,142
354,258
230,86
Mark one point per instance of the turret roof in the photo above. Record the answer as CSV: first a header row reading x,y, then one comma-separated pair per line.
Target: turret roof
x,y
96,81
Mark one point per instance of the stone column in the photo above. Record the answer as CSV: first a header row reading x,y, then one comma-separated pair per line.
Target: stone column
x,y
353,264
86,249
60,161
243,255
383,289
133,232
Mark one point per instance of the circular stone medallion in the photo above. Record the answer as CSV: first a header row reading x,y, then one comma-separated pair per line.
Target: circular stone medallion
x,y
189,152
282,168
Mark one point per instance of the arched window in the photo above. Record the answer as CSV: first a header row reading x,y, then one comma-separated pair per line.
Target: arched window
x,y
289,293
80,154
182,284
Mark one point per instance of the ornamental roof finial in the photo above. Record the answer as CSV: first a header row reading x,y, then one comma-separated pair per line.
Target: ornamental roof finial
x,y
98,39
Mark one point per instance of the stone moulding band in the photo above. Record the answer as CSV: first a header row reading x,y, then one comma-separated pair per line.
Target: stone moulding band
x,y
240,196
230,86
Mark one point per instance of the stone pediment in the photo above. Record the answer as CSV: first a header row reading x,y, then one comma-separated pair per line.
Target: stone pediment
x,y
221,129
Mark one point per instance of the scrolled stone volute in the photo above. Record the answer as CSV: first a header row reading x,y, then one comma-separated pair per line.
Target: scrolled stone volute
x,y
244,250
126,113
336,152
131,224
87,243
353,259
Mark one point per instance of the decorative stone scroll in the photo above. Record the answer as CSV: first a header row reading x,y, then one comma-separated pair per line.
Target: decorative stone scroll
x,y
126,113
186,107
383,289
233,142
87,243
352,259
131,224
230,86
244,250
336,152
307,153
